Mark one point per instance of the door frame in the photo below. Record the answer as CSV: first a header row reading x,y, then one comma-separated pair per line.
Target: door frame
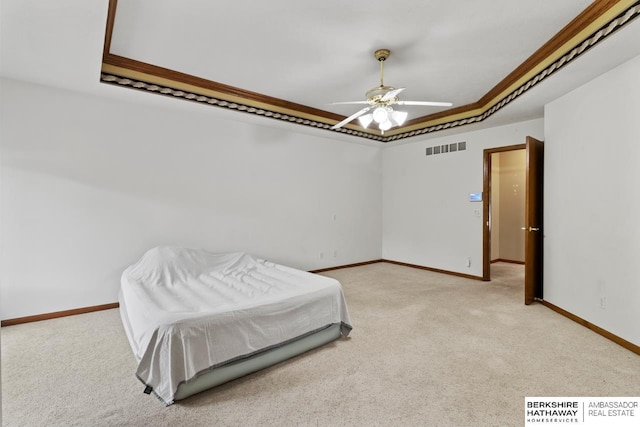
x,y
486,206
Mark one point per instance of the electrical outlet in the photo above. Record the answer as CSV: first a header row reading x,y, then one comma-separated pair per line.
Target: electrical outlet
x,y
321,255
603,302
468,261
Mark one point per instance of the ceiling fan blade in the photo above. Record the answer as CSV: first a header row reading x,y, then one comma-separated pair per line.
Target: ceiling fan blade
x,y
351,117
392,94
349,102
429,103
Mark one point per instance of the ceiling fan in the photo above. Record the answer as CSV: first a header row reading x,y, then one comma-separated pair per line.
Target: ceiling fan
x,y
380,99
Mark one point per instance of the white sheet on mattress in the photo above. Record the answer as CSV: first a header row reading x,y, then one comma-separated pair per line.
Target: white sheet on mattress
x,y
188,310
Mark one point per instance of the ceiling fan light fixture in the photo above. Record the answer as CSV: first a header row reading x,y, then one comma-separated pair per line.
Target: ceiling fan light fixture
x,y
365,120
380,114
399,117
386,125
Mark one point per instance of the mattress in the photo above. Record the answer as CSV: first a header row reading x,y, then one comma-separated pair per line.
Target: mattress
x,y
187,311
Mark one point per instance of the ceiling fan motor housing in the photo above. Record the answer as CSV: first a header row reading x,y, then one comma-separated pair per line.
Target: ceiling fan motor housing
x,y
374,95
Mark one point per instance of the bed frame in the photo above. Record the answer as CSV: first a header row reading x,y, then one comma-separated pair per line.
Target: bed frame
x,y
263,359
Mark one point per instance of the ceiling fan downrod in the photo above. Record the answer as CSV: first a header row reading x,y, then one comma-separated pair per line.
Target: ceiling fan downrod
x,y
382,55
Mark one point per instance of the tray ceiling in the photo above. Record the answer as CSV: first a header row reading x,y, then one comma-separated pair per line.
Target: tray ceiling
x,y
289,60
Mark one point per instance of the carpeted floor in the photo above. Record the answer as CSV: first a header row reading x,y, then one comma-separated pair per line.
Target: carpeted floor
x,y
426,350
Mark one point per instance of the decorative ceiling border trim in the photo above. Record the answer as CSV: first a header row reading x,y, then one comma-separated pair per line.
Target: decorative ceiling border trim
x,y
115,79
566,46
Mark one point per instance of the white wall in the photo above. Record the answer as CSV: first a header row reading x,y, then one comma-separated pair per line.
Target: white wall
x,y
90,183
427,217
592,201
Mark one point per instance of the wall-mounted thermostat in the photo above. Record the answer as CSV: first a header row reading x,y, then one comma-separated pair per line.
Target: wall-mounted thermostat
x,y
475,197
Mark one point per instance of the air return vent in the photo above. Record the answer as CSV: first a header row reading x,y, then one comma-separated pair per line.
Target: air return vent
x,y
446,148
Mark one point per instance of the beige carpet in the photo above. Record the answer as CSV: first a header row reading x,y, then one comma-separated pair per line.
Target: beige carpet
x,y
426,350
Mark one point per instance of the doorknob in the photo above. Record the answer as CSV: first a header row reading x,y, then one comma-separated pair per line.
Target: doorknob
x,y
530,228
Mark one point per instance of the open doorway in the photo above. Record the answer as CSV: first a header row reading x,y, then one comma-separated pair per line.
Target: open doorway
x,y
532,225
504,205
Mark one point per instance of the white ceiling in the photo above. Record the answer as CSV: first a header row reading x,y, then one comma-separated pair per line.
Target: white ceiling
x,y
313,53
310,53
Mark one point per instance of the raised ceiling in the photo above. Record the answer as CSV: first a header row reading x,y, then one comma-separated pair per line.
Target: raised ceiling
x,y
289,60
